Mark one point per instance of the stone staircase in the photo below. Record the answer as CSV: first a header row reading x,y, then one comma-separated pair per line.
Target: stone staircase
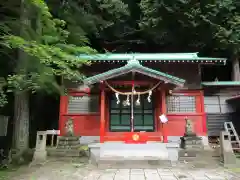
x,y
66,147
133,164
200,158
121,155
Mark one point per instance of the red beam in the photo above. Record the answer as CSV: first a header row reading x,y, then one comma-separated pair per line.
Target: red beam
x,y
141,83
79,91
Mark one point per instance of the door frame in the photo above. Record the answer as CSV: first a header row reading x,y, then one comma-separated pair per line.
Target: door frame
x,y
141,112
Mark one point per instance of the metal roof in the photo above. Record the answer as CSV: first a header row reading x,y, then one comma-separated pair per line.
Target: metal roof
x,y
155,57
134,66
221,83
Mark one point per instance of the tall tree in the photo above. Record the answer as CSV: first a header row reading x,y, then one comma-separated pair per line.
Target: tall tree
x,y
187,25
99,20
224,19
43,54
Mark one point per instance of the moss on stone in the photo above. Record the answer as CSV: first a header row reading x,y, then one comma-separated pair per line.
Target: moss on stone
x,y
84,148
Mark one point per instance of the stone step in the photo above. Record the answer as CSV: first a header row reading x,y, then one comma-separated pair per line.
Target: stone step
x,y
133,164
68,138
64,153
197,159
198,156
121,155
68,143
69,159
68,146
150,151
198,164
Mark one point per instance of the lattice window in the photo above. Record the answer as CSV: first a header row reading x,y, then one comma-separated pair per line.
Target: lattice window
x,y
83,104
176,104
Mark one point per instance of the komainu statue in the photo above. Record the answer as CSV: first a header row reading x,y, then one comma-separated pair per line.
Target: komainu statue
x,y
69,127
189,127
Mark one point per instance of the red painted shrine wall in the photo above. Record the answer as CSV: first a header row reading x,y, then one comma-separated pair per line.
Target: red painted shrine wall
x,y
84,124
89,124
176,122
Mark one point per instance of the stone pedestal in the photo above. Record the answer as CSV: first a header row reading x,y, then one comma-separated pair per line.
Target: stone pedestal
x,y
192,142
68,142
68,146
40,154
191,146
226,152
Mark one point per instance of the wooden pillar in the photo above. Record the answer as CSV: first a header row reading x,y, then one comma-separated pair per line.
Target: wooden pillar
x,y
235,69
164,111
158,111
204,116
102,113
63,110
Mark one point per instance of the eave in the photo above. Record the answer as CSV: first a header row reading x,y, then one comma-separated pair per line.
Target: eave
x,y
154,57
221,83
237,97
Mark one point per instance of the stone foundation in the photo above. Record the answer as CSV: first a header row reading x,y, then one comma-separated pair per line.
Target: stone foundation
x,y
121,155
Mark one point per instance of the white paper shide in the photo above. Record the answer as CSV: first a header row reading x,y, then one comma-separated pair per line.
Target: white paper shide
x,y
163,118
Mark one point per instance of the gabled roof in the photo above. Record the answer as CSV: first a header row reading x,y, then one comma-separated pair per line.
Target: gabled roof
x,y
237,97
153,57
221,83
134,66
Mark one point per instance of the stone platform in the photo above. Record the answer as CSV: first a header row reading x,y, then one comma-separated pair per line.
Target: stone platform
x,y
121,155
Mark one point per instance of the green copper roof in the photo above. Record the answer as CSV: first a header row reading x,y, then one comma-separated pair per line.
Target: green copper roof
x,y
221,83
172,57
134,66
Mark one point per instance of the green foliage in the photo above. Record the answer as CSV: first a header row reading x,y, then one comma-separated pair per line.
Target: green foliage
x,y
224,19
44,51
3,96
3,99
187,24
98,19
51,43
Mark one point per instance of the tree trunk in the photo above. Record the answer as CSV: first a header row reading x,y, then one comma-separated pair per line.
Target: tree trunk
x,y
21,121
235,69
21,98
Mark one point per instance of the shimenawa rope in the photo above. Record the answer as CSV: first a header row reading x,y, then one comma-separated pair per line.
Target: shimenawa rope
x,y
129,93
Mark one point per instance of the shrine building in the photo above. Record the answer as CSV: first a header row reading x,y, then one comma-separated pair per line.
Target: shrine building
x,y
124,95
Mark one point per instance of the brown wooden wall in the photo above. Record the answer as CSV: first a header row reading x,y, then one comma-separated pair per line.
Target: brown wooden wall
x,y
188,72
